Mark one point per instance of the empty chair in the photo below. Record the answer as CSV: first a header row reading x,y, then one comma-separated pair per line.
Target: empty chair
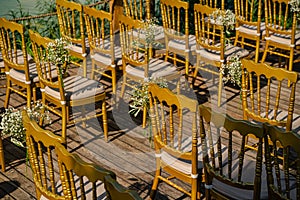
x,y
262,94
175,17
80,179
174,126
72,29
21,74
116,191
283,177
212,51
137,64
282,36
105,54
60,95
230,172
42,158
249,25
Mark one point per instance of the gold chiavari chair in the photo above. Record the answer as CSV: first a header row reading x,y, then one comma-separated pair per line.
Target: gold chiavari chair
x,y
262,94
116,191
105,54
282,36
230,172
283,177
60,95
21,74
138,67
80,179
42,158
176,30
175,140
71,25
249,25
212,50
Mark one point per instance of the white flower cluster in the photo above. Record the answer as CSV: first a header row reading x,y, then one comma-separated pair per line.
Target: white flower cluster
x,y
232,71
12,122
139,96
224,18
58,53
295,7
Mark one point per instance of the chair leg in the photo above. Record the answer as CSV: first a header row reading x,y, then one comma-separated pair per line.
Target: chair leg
x,y
2,160
114,80
257,50
123,86
104,118
144,117
64,123
220,89
265,52
84,67
155,184
28,90
7,96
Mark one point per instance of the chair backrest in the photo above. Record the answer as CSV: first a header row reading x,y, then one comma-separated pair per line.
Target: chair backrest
x,y
174,127
40,145
213,3
175,18
71,23
248,13
209,35
229,171
280,20
133,50
137,9
262,93
99,26
117,191
283,178
47,72
13,47
80,179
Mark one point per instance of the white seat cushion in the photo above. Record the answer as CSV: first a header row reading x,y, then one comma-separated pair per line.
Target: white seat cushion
x,y
157,69
180,44
252,30
77,88
106,58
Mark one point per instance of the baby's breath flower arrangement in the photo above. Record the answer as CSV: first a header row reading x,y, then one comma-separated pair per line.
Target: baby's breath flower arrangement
x,y
224,18
12,122
58,53
139,96
295,7
150,30
232,70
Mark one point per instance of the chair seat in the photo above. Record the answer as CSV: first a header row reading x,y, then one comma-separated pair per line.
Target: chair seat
x,y
284,39
20,75
252,30
157,69
184,166
77,49
106,58
229,51
77,88
180,44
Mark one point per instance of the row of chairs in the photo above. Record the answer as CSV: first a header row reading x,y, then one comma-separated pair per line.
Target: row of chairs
x,y
208,151
59,174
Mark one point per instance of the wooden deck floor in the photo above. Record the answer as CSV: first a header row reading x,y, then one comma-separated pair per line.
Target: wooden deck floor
x,y
128,152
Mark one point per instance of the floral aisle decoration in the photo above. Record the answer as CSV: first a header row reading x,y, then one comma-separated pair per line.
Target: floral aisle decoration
x,y
224,18
12,122
295,7
140,97
58,54
232,71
